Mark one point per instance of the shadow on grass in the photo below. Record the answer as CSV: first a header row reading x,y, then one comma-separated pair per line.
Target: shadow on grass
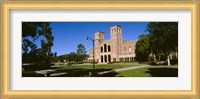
x,y
163,72
35,67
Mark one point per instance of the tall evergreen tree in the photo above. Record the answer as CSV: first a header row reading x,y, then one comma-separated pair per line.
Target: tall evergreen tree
x,y
81,51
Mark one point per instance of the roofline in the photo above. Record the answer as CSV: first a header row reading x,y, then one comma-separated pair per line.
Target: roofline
x,y
115,25
130,40
99,32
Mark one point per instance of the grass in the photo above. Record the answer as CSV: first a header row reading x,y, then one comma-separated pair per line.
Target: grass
x,y
84,70
101,66
152,71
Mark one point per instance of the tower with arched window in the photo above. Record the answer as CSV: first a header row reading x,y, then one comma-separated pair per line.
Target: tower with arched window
x,y
116,41
115,49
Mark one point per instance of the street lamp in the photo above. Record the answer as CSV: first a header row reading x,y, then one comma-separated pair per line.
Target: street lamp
x,y
93,40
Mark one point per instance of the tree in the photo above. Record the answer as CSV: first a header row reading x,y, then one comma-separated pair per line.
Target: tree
x,y
163,37
32,54
29,30
142,50
73,57
81,52
46,43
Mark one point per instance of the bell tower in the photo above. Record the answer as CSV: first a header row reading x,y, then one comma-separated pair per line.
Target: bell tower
x,y
116,41
99,37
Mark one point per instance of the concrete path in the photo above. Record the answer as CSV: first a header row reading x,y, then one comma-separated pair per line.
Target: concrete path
x,y
45,72
57,74
128,68
124,69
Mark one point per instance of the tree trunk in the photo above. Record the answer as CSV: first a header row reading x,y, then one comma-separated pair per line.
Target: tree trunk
x,y
168,60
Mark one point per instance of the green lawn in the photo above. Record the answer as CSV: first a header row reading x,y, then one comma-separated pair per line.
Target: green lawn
x,y
152,71
101,66
83,70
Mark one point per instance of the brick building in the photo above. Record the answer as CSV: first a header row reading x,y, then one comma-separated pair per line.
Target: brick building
x,y
115,49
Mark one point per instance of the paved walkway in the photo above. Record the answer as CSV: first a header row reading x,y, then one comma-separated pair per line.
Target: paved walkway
x,y
45,72
124,69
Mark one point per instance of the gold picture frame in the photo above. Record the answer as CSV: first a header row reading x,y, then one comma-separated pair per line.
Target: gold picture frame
x,y
5,41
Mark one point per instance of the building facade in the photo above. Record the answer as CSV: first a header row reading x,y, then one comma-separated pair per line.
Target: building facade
x,y
115,49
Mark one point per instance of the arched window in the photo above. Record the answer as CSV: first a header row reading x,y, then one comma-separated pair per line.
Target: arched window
x,y
109,58
109,49
105,48
105,58
101,49
101,58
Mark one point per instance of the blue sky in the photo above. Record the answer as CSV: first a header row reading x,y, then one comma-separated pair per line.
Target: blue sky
x,y
67,35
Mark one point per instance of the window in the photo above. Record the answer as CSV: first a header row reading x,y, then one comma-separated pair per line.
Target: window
x,y
109,58
101,49
127,58
129,49
121,59
105,58
131,58
125,49
105,48
109,48
101,58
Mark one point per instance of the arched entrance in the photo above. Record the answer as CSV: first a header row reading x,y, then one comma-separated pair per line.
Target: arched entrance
x,y
101,58
105,58
109,58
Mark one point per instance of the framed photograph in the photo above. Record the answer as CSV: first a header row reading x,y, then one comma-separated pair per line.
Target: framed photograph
x,y
100,49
